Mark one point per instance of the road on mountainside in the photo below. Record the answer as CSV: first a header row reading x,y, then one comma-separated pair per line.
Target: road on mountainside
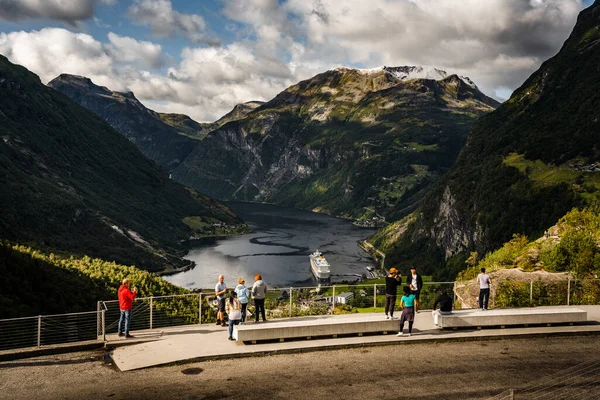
x,y
467,370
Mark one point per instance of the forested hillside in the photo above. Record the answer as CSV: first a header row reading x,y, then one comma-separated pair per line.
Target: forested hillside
x,y
70,183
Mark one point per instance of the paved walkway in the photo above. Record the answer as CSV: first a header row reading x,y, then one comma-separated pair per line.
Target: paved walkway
x,y
204,342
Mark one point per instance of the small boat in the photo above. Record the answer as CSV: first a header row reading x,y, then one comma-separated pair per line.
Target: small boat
x,y
319,266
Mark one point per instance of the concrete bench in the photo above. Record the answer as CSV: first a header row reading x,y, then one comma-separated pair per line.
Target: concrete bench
x,y
312,327
512,316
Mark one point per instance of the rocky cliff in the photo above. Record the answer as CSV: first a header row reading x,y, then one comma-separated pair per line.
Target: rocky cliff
x,y
362,144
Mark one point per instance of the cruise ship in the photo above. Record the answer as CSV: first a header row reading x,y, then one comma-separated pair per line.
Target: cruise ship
x,y
319,266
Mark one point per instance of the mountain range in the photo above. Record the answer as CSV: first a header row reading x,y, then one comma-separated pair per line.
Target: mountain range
x,y
165,138
360,144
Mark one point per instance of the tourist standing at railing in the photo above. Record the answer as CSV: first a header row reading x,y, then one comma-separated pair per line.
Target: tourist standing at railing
x,y
259,293
408,312
484,289
445,303
221,292
392,281
126,298
415,283
234,311
243,295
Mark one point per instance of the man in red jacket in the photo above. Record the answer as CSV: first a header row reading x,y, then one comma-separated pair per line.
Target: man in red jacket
x,y
126,297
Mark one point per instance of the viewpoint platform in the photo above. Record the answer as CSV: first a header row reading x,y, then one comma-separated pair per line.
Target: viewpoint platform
x,y
206,342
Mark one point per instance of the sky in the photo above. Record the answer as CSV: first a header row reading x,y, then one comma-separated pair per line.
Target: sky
x,y
202,57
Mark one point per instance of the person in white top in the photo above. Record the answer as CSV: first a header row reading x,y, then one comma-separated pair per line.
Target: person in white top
x,y
484,289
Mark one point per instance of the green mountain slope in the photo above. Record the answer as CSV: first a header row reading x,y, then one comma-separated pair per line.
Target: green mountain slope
x,y
352,143
523,167
35,283
70,182
164,138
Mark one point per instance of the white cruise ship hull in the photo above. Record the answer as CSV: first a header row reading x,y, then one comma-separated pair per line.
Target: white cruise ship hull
x,y
317,272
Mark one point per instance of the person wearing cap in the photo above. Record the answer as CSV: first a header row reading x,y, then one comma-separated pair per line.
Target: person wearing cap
x,y
391,285
415,283
445,303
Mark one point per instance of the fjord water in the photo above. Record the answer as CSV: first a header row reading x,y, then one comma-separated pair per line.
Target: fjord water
x,y
278,248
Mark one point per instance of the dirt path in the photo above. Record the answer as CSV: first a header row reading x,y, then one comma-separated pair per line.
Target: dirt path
x,y
469,370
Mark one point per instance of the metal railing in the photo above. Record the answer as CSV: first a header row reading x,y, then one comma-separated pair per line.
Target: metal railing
x,y
157,312
46,330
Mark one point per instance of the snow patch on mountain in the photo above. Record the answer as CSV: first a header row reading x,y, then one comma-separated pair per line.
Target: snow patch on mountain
x,y
410,72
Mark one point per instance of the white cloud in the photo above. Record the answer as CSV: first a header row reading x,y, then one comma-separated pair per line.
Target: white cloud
x,y
52,51
165,21
497,43
117,65
128,50
69,12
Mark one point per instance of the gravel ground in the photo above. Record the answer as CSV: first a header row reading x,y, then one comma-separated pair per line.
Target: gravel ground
x,y
467,370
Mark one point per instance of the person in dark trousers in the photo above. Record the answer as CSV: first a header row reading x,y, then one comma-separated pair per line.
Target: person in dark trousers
x,y
445,303
243,294
484,289
415,283
391,286
259,293
126,298
408,313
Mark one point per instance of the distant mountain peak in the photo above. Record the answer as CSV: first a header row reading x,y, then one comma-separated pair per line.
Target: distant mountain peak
x,y
409,72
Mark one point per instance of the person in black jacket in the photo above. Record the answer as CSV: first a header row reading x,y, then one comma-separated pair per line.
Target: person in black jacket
x,y
415,282
445,303
392,281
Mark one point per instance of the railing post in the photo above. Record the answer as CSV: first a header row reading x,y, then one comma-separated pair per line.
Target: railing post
x,y
511,394
333,300
151,314
291,313
454,292
39,333
569,291
199,308
104,325
98,320
531,293
374,297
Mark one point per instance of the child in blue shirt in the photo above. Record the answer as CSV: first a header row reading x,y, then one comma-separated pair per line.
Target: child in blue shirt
x,y
408,313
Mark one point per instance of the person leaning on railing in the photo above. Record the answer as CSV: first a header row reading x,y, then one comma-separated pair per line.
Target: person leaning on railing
x,y
126,298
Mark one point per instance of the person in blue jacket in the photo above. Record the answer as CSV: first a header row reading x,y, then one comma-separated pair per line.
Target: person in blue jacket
x,y
243,295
